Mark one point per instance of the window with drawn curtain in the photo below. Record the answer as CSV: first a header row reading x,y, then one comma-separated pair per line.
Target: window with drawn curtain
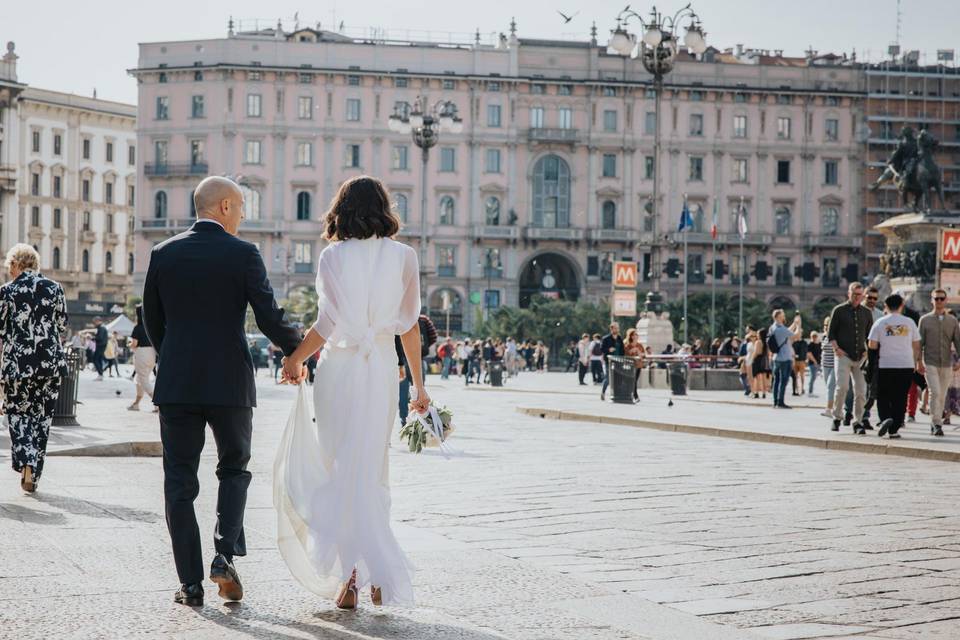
x,y
551,192
608,218
400,205
251,202
782,218
492,210
446,210
830,224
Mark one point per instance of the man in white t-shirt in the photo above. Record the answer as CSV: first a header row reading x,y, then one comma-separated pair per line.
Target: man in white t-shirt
x,y
898,341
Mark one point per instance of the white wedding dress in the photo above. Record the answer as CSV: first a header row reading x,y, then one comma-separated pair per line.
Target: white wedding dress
x,y
331,485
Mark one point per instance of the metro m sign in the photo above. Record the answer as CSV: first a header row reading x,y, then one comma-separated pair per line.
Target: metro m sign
x,y
625,275
950,246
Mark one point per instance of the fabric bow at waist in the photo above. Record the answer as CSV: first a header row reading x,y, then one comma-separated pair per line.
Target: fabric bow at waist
x,y
363,339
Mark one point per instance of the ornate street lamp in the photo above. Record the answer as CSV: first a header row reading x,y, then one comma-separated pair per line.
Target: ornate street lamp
x,y
425,126
657,49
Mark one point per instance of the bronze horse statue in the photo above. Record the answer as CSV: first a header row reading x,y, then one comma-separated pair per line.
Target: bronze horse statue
x,y
913,170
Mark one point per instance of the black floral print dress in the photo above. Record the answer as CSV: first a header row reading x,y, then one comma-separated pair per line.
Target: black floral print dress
x,y
33,320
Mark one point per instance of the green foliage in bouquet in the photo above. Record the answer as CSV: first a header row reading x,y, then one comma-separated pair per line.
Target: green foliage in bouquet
x,y
417,435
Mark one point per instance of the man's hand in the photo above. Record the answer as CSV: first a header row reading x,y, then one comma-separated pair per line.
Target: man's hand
x,y
293,372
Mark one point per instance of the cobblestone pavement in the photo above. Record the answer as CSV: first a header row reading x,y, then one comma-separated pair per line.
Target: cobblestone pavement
x,y
533,530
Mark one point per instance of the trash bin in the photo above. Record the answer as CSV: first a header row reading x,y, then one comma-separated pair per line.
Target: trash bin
x,y
65,410
622,371
495,367
678,378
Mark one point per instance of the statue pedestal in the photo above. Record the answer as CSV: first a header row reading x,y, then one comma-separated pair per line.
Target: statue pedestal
x,y
655,330
909,264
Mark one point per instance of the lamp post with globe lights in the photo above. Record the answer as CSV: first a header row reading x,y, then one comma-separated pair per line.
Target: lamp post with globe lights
x,y
657,49
424,125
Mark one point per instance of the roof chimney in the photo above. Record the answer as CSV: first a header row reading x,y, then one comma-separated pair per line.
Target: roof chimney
x,y
739,50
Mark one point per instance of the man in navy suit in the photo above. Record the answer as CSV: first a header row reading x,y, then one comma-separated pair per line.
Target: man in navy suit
x,y
195,298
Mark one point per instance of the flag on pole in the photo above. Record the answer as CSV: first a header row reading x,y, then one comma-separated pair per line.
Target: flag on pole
x,y
713,225
686,220
742,222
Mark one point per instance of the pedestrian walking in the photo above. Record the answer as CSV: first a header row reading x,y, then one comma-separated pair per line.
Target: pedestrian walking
x,y
110,354
596,359
850,323
611,345
760,365
33,319
633,348
100,340
276,355
814,357
898,341
800,348
583,358
445,353
939,331
780,339
144,360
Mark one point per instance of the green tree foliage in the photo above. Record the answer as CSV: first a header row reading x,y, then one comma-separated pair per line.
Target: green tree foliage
x,y
553,321
130,308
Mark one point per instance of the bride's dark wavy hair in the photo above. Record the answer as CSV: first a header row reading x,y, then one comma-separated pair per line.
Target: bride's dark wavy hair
x,y
361,210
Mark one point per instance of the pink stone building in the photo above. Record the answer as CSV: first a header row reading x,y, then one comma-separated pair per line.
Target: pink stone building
x,y
550,179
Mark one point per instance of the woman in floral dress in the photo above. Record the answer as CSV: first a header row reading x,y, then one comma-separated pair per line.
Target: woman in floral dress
x,y
33,320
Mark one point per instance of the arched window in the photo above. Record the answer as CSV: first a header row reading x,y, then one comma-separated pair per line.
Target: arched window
x,y
609,215
108,262
56,257
160,204
193,206
251,202
303,206
446,210
551,192
782,217
85,261
130,262
830,225
492,208
401,206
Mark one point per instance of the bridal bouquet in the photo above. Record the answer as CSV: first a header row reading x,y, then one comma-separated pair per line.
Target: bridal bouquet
x,y
428,429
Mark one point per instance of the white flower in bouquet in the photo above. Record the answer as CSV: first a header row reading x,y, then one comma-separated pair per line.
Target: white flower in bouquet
x,y
428,429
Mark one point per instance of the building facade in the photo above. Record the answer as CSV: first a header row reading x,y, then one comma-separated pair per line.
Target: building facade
x,y
900,93
550,180
74,190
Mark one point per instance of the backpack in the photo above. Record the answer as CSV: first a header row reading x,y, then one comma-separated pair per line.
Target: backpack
x,y
597,349
772,344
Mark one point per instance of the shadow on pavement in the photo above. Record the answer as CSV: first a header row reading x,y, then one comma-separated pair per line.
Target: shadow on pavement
x,y
381,624
31,516
75,506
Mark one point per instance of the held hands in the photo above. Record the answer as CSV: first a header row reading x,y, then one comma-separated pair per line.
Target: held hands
x,y
293,372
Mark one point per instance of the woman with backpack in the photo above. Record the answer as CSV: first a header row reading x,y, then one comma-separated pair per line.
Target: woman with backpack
x,y
761,365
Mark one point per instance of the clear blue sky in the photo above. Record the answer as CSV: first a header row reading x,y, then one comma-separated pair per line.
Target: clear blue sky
x,y
75,46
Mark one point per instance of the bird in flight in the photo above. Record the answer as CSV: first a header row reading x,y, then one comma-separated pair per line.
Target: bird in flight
x,y
566,18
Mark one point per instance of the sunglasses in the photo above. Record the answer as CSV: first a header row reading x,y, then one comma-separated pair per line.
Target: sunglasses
x,y
872,298
940,298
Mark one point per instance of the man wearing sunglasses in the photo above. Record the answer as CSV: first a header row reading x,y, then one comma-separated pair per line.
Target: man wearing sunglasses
x,y
870,300
938,331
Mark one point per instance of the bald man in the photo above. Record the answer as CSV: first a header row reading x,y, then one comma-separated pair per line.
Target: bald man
x,y
195,299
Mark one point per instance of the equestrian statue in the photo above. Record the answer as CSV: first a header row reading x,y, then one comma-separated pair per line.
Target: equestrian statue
x,y
913,170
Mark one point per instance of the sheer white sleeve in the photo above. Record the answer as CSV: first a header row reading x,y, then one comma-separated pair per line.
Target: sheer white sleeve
x,y
409,309
327,301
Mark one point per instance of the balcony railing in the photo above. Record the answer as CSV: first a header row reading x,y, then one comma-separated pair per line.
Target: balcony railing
x,y
751,239
554,233
834,242
492,272
495,232
176,225
553,134
611,235
446,271
693,237
172,169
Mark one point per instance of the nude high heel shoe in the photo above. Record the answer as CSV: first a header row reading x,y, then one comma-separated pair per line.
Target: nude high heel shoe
x,y
27,482
347,596
376,596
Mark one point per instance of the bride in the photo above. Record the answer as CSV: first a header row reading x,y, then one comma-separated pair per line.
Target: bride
x,y
331,487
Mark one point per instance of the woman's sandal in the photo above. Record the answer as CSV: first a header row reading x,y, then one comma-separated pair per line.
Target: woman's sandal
x,y
27,482
347,596
376,596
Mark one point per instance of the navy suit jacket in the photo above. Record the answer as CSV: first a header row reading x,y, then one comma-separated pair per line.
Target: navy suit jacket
x,y
195,299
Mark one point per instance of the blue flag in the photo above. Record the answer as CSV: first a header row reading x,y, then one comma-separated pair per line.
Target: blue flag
x,y
686,220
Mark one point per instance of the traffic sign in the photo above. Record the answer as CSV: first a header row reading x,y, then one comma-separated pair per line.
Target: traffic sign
x,y
625,275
